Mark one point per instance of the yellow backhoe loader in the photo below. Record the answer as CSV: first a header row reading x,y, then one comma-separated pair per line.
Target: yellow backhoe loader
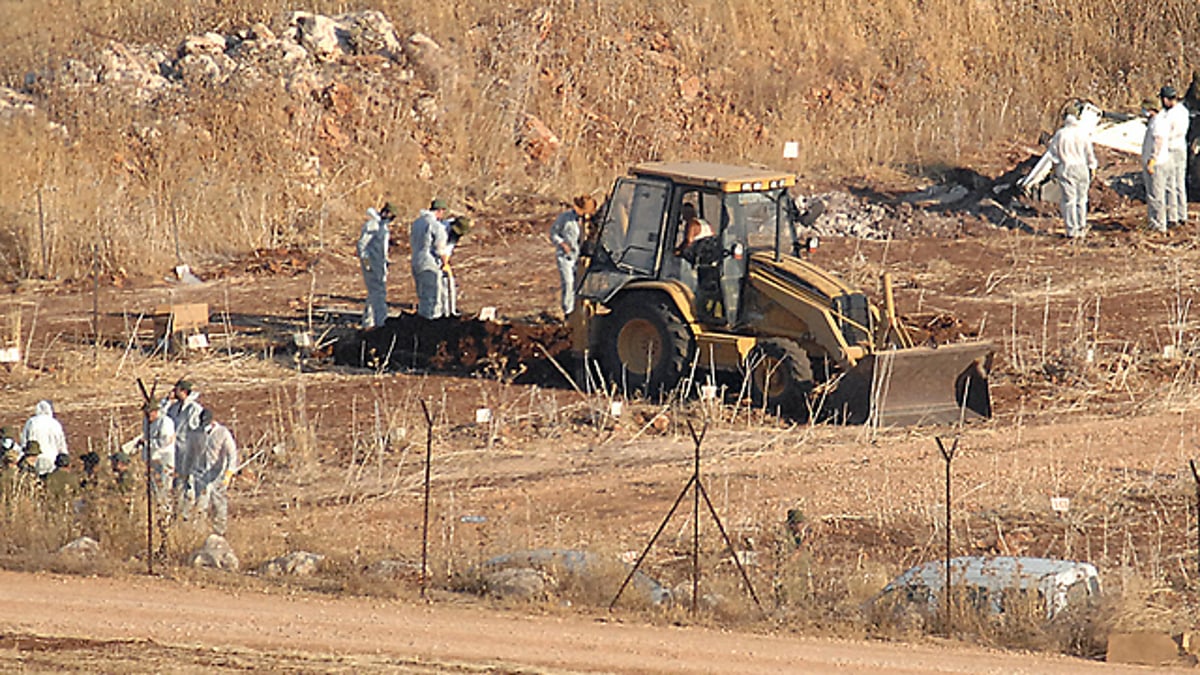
x,y
654,308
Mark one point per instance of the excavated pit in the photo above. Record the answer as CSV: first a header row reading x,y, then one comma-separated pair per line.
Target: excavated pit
x,y
520,350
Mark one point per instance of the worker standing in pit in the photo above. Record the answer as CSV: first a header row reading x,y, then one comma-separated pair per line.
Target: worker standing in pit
x,y
456,229
565,234
373,259
429,255
1176,122
1074,160
1154,157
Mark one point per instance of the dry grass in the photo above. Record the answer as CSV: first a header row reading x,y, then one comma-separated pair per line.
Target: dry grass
x,y
865,86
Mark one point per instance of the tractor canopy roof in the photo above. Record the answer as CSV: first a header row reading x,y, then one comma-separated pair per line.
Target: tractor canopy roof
x,y
723,177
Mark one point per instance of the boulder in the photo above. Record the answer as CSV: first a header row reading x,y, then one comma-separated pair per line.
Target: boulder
x,y
370,32
83,547
209,43
520,583
317,34
297,564
393,569
125,66
216,553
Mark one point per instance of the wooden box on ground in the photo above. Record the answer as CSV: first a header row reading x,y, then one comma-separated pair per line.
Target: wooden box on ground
x,y
186,325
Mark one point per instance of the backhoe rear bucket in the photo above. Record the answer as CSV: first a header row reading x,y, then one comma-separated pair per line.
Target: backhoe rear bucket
x,y
919,385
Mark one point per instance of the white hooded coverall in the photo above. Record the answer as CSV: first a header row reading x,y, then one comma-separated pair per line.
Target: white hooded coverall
x,y
373,259
211,473
186,416
429,250
161,453
48,432
1177,121
566,230
1074,159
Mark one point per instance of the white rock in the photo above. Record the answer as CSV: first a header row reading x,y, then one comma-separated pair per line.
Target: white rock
x,y
83,547
318,34
216,553
297,563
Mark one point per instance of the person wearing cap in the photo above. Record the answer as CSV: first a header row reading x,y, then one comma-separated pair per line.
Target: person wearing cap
x,y
1154,158
160,451
430,255
565,234
27,462
456,229
373,243
183,407
1176,122
1074,159
48,433
62,483
119,462
212,471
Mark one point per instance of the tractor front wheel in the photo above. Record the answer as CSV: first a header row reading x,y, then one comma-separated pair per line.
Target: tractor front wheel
x,y
646,345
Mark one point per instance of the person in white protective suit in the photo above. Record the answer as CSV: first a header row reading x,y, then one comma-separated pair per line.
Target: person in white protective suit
x,y
429,256
160,451
213,470
1176,122
48,432
1074,159
183,407
565,234
1154,158
373,244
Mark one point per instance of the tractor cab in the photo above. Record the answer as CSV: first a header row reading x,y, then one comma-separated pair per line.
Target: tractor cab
x,y
691,223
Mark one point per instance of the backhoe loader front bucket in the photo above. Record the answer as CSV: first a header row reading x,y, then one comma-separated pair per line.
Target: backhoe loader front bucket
x,y
918,385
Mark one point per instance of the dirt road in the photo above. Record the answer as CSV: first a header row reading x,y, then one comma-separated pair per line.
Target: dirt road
x,y
53,622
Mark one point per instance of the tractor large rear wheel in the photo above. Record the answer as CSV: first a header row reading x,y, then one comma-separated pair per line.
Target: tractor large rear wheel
x,y
645,345
781,377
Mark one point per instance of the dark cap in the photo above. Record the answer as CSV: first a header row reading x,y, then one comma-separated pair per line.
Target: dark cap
x,y
438,203
119,456
1168,92
461,225
63,459
33,448
388,209
149,407
185,385
206,416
